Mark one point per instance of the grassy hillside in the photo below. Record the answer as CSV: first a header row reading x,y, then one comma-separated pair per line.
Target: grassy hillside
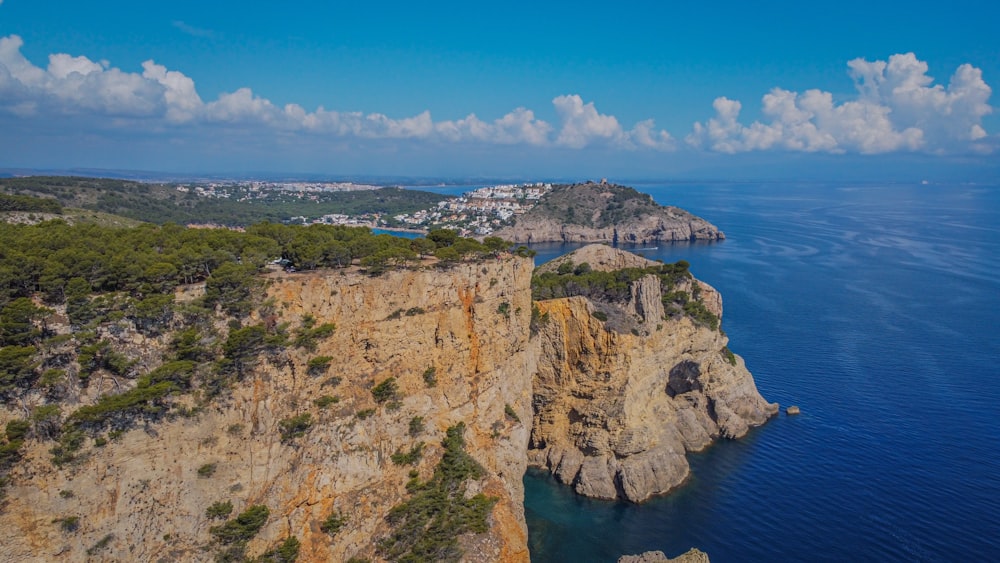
x,y
163,203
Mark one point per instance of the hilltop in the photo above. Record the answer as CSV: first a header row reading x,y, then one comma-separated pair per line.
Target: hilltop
x,y
603,212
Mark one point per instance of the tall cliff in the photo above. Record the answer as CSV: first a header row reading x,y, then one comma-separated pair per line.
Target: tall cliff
x,y
333,437
617,410
455,341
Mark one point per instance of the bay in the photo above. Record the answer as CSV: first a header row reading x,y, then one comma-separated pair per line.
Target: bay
x,y
871,307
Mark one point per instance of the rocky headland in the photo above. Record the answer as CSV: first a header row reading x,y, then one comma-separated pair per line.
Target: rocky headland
x,y
624,390
607,213
335,436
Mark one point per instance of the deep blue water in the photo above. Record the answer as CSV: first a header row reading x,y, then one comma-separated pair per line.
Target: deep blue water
x,y
871,307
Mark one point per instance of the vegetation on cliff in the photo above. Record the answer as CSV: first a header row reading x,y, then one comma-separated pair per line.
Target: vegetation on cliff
x,y
426,527
614,287
73,297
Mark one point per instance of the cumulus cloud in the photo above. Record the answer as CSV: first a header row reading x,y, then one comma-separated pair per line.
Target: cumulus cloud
x,y
898,108
80,86
583,125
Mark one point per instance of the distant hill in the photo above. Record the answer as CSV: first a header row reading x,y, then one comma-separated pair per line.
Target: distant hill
x,y
602,212
163,203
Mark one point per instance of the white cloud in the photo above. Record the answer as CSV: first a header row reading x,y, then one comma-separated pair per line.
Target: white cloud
x,y
898,108
182,99
582,124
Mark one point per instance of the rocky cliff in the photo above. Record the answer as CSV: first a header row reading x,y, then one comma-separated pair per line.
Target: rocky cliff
x,y
317,435
455,341
616,411
608,213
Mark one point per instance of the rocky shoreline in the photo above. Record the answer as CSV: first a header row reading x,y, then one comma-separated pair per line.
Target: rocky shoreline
x,y
606,213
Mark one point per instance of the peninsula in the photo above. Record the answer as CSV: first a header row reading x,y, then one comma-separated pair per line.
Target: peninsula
x,y
603,212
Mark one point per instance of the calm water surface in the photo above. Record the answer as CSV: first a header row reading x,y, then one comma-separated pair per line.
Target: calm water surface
x,y
874,309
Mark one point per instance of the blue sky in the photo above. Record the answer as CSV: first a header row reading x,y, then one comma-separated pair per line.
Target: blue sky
x,y
880,90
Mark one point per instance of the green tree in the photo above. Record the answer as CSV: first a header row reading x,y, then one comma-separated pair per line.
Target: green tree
x,y
232,287
17,322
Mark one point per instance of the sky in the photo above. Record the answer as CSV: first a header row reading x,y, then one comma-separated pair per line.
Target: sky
x,y
879,90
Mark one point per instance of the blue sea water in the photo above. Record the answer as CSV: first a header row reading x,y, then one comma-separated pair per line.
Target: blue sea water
x,y
872,307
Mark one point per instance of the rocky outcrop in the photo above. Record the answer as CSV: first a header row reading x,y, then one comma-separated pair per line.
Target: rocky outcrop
x,y
602,212
693,555
599,257
615,413
144,495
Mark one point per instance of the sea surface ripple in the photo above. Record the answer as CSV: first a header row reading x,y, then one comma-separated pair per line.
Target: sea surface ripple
x,y
872,307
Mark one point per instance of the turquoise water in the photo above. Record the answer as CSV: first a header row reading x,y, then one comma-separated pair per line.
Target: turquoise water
x,y
873,308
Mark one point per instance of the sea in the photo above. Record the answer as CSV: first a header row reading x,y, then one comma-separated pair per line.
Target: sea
x,y
870,306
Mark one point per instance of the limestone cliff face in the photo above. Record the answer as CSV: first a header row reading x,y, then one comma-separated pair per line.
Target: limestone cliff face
x,y
615,413
672,225
144,491
610,413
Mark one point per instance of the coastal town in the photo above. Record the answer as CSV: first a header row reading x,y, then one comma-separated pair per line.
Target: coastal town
x,y
479,212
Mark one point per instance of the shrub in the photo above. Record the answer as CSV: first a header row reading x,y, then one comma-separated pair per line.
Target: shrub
x,y
17,429
409,458
207,470
318,365
333,523
385,391
430,377
325,401
511,413
416,425
286,552
600,315
242,528
538,320
219,510
295,427
701,315
101,544
68,523
728,354
308,337
504,309
415,311
365,413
